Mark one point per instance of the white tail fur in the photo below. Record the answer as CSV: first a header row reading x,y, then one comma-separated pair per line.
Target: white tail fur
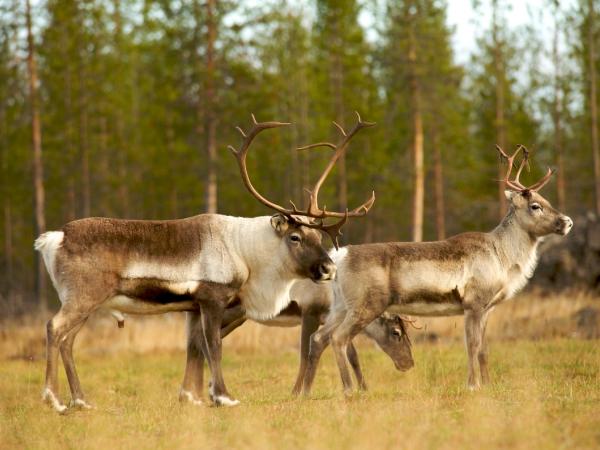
x,y
47,244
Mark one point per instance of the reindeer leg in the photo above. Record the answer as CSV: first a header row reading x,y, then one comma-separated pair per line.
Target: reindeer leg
x,y
473,338
234,317
318,343
355,363
482,356
340,340
66,351
193,379
57,328
212,317
310,324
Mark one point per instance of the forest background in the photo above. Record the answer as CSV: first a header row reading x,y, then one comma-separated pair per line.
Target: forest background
x,y
125,108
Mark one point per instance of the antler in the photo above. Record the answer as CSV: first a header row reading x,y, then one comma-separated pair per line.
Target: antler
x,y
313,210
313,205
515,184
241,154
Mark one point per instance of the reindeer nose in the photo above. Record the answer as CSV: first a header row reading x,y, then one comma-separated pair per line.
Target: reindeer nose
x,y
327,270
567,224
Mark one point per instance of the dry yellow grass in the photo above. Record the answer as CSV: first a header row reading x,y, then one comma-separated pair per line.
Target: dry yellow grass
x,y
545,394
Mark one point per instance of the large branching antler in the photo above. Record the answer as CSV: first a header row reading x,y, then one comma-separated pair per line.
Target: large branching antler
x,y
515,184
313,210
241,153
313,196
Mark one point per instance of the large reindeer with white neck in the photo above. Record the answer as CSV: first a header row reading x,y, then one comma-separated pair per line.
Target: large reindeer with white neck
x,y
466,274
198,264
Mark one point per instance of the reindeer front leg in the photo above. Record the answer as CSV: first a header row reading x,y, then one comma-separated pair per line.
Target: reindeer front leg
x,y
473,341
212,310
318,343
310,324
482,356
355,363
193,379
341,339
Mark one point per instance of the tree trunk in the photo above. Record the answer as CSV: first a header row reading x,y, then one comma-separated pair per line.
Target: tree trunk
x,y
337,86
7,213
499,116
417,141
557,119
593,104
210,117
84,157
38,167
303,134
174,209
438,180
120,146
8,241
104,169
69,167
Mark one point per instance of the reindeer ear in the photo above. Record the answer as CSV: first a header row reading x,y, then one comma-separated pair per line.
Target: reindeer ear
x,y
280,223
509,195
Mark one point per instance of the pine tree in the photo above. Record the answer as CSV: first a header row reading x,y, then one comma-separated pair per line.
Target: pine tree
x,y
340,61
501,110
419,71
38,165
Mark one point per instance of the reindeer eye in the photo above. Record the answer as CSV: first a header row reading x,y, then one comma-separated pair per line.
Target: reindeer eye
x,y
536,207
295,238
397,332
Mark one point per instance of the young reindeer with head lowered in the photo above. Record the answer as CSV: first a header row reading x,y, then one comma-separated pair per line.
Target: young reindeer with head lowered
x,y
199,264
466,274
309,306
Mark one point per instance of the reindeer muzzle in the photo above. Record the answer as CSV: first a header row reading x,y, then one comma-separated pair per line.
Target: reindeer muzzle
x,y
323,271
564,225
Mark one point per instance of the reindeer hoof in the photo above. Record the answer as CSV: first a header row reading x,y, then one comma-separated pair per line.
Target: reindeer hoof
x,y
49,397
188,397
220,400
80,404
223,400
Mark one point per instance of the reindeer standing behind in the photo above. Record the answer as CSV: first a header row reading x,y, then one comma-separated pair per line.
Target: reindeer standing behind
x,y
466,274
198,264
310,303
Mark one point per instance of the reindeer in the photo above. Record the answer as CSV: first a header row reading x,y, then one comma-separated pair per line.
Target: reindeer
x,y
309,306
466,274
198,264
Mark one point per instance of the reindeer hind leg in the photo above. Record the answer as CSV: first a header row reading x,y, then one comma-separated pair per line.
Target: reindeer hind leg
x,y
191,387
57,330
66,351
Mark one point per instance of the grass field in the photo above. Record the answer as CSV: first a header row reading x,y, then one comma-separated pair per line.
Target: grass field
x,y
545,394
